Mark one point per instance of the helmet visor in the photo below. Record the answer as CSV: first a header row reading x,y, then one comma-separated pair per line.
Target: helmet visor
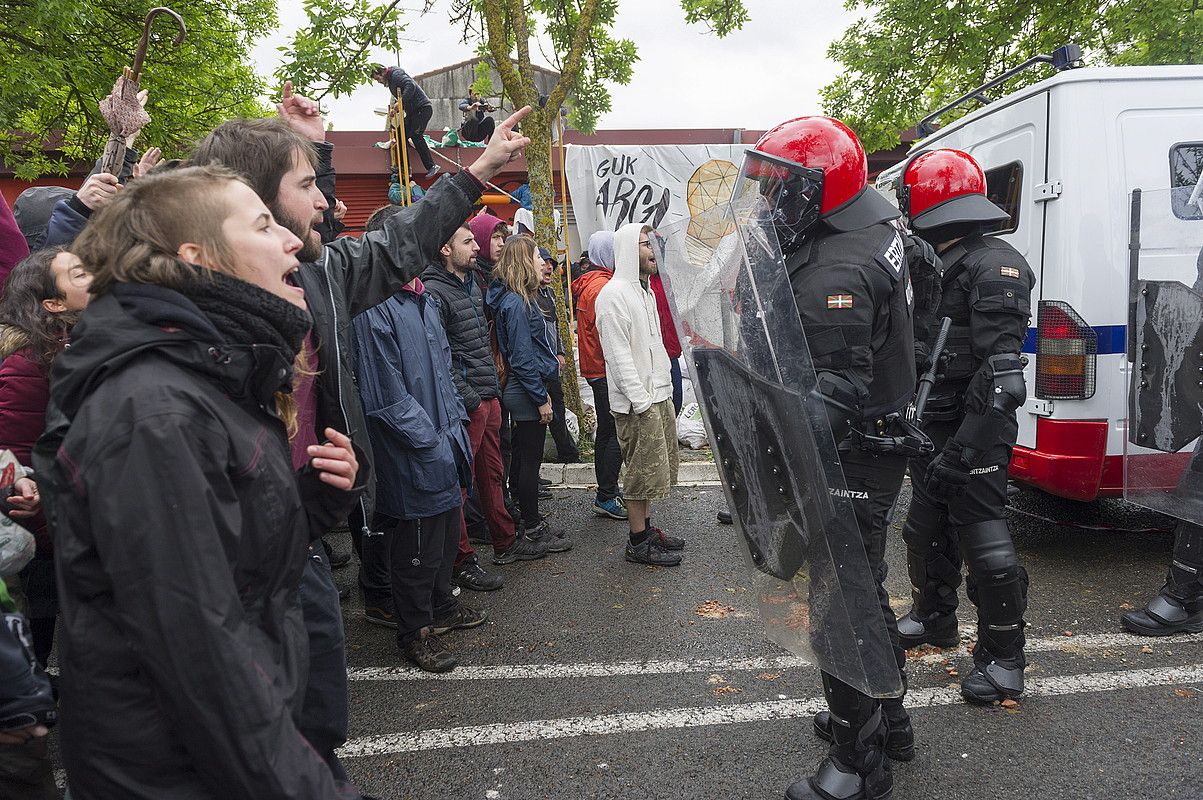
x,y
780,193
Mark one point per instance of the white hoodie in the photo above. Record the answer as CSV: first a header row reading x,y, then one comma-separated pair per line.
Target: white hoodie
x,y
637,368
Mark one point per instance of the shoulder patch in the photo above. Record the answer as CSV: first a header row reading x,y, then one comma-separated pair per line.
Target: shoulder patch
x,y
839,301
1009,272
893,256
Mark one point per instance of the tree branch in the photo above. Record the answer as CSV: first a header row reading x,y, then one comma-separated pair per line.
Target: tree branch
x,y
576,54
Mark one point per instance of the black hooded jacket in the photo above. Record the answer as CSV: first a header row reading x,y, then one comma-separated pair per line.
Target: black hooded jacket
x,y
462,309
180,536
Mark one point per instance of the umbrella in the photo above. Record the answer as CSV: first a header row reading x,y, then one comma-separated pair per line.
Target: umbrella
x,y
121,109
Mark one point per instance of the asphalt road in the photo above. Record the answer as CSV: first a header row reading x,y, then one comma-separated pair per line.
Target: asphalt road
x,y
596,678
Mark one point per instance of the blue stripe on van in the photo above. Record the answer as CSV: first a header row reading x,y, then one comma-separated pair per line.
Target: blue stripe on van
x,y
1112,339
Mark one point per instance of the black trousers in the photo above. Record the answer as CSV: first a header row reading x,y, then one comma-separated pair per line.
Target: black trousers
x,y
415,131
421,555
370,547
566,448
873,481
527,458
930,530
324,712
477,130
607,456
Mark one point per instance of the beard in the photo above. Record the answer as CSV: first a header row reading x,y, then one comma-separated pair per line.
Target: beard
x,y
311,247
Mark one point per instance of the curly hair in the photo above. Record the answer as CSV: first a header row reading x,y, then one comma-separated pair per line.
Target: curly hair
x,y
24,321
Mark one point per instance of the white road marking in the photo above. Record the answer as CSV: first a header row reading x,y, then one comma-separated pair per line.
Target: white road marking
x,y
667,719
1068,644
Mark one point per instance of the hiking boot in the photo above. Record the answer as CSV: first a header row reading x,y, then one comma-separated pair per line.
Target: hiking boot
x,y
28,697
612,508
473,576
650,551
428,652
667,542
523,549
725,518
461,618
380,613
938,630
554,539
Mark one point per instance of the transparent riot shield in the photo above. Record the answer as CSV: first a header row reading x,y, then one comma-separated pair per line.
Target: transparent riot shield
x,y
751,370
1163,465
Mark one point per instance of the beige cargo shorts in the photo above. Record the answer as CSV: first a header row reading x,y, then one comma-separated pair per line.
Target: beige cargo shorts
x,y
649,451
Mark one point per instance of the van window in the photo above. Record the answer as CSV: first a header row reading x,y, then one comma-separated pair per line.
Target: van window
x,y
1185,161
1003,185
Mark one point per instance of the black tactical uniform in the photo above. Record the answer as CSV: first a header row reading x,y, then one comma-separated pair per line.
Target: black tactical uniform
x,y
960,490
853,294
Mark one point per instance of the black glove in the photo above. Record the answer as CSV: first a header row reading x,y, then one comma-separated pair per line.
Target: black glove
x,y
948,474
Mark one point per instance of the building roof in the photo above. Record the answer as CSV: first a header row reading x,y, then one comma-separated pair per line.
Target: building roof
x,y
473,62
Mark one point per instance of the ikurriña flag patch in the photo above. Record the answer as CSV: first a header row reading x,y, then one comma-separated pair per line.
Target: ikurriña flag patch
x,y
839,301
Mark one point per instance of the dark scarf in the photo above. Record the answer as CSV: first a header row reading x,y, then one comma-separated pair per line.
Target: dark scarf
x,y
245,314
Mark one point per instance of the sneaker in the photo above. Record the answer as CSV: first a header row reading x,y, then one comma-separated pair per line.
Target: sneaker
x,y
523,549
554,539
612,508
430,173
725,518
381,613
473,576
545,493
544,482
428,652
666,541
650,551
463,617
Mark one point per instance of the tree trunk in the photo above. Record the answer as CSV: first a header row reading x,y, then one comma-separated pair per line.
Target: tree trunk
x,y
538,160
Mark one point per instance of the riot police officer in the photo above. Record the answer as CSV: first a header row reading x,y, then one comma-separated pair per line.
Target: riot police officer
x,y
960,491
847,268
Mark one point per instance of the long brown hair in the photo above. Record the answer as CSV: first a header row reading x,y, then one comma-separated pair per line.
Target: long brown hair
x,y
516,267
135,238
24,321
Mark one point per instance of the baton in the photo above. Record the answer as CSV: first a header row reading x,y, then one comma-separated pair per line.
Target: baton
x,y
928,379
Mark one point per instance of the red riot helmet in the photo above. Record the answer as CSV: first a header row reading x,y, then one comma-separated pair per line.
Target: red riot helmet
x,y
945,187
810,169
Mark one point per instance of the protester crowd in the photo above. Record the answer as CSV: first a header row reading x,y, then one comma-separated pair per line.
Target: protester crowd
x,y
201,378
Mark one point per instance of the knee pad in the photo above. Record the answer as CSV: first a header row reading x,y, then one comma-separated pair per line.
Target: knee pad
x,y
987,547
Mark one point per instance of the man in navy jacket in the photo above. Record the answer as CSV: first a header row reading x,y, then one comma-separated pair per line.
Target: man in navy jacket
x,y
417,425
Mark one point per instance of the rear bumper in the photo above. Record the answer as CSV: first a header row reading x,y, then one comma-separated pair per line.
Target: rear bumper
x,y
1070,460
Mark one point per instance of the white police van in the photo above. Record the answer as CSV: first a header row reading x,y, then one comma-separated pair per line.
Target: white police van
x,y
1062,157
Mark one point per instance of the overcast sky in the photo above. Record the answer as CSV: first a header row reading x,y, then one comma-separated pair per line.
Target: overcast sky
x,y
770,71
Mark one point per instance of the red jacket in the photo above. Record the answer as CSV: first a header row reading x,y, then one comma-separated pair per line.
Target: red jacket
x,y
24,395
584,293
668,328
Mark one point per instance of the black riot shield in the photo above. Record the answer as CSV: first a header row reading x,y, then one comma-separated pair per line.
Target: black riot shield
x,y
1163,467
752,373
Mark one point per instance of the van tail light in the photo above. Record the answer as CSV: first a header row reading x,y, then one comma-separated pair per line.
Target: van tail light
x,y
1066,351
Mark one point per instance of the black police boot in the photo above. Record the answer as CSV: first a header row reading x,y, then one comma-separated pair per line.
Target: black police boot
x,y
993,679
855,767
900,738
1179,606
939,630
933,561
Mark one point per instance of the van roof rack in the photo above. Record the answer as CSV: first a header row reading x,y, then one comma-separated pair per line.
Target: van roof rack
x,y
1065,57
